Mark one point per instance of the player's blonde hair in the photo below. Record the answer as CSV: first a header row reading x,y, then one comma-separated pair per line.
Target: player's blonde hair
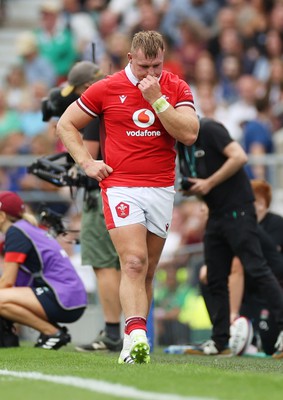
x,y
150,42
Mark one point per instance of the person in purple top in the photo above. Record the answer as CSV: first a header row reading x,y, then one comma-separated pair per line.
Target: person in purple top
x,y
42,288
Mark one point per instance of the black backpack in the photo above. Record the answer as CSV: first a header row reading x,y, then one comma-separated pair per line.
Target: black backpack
x,y
8,335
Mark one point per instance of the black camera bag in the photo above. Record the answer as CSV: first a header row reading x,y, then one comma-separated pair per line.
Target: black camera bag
x,y
8,336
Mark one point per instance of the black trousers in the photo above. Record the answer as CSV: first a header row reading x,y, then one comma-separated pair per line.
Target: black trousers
x,y
263,321
229,235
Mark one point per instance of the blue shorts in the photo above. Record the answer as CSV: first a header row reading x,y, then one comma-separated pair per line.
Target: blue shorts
x,y
54,311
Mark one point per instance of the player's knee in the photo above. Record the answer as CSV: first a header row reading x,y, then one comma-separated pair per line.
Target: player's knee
x,y
134,265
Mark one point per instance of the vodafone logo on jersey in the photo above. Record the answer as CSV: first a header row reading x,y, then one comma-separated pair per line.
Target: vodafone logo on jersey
x,y
143,118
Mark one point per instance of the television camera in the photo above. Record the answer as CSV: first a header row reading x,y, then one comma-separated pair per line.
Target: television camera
x,y
61,170
55,104
53,222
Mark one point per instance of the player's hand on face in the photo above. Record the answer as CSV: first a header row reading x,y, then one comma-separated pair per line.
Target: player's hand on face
x,y
150,88
98,170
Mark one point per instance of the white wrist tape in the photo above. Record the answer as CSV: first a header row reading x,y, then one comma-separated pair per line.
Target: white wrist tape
x,y
160,105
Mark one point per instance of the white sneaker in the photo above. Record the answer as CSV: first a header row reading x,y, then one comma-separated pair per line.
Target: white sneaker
x,y
279,347
125,357
208,348
139,349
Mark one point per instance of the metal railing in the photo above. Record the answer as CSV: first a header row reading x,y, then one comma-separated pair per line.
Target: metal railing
x,y
37,195
274,162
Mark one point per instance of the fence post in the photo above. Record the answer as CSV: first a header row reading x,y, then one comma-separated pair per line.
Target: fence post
x,y
150,326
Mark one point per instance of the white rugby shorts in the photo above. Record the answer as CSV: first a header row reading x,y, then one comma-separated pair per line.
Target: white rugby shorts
x,y
149,206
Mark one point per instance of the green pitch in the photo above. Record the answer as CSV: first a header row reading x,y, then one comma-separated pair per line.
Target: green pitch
x,y
37,374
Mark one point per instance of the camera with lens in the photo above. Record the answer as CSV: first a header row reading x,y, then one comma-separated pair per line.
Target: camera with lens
x,y
185,184
55,226
53,221
55,104
58,170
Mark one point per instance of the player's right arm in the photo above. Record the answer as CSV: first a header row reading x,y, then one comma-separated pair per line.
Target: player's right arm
x,y
68,129
93,147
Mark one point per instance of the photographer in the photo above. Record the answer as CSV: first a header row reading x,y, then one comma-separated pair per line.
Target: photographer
x,y
96,246
214,167
39,286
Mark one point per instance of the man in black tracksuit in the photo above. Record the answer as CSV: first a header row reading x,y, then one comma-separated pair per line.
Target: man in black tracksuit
x,y
215,167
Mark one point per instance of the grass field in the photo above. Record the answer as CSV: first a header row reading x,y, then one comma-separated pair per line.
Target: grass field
x,y
37,374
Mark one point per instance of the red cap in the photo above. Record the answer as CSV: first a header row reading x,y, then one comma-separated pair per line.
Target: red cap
x,y
11,204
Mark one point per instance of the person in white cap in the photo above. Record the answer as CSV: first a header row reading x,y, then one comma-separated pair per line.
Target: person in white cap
x,y
97,248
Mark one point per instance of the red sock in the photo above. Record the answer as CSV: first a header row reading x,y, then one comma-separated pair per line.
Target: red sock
x,y
133,323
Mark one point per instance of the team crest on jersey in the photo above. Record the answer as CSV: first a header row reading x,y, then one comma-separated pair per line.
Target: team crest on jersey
x,y
122,210
143,118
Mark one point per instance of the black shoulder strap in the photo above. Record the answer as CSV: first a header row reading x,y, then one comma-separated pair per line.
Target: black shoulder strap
x,y
186,155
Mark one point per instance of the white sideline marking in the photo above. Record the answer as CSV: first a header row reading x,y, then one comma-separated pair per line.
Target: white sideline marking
x,y
114,389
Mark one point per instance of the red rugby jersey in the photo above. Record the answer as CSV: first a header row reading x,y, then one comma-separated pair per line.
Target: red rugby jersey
x,y
134,142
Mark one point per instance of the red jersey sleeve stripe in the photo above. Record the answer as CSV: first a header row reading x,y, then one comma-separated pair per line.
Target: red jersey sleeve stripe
x,y
185,103
85,108
15,257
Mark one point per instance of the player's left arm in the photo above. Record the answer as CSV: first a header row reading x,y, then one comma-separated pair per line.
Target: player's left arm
x,y
181,123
